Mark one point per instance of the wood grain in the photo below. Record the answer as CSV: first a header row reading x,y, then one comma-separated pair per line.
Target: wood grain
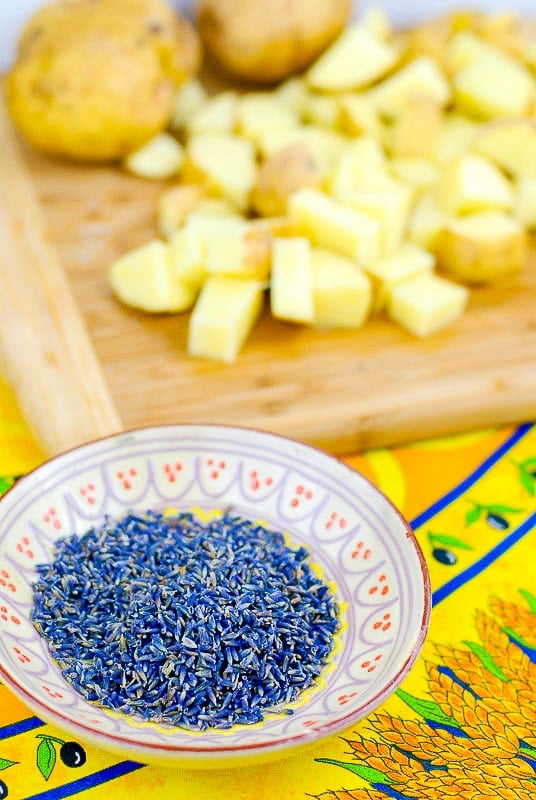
x,y
46,352
344,391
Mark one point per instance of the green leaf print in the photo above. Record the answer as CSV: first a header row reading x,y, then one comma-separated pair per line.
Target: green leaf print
x,y
449,541
487,660
367,773
46,758
427,709
530,598
473,515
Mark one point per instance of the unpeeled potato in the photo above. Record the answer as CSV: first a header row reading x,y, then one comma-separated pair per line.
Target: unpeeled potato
x,y
282,174
96,79
264,41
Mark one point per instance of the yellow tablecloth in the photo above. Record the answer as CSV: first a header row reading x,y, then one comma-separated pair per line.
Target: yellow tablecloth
x,y
463,724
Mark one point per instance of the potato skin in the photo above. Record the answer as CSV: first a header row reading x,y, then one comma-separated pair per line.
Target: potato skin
x,y
264,41
480,262
95,80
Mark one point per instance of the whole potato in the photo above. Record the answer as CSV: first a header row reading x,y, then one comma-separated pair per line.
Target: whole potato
x,y
96,79
264,41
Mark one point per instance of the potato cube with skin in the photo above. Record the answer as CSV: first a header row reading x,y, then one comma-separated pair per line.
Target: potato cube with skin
x,y
216,115
495,86
482,247
427,220
224,162
324,145
187,257
291,287
161,157
144,278
336,227
525,204
511,144
357,58
240,253
472,183
282,174
190,98
421,76
426,303
386,273
174,205
223,317
258,112
390,205
341,291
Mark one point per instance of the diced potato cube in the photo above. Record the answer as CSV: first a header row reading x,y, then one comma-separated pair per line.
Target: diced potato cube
x,y
427,220
456,136
426,303
211,207
357,58
332,225
415,171
144,278
187,257
341,291
493,86
258,112
174,205
226,163
210,225
376,20
223,317
161,157
357,115
322,109
421,76
482,247
291,288
294,94
472,183
361,165
240,253
525,205
216,115
511,144
190,98
408,261
418,126
282,174
277,226
464,48
390,205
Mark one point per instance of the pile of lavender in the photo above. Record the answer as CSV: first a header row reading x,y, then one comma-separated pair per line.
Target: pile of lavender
x,y
190,623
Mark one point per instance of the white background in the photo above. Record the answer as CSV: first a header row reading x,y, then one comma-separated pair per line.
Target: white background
x,y
13,14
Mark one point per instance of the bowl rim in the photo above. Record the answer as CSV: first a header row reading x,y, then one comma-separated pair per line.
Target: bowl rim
x,y
311,734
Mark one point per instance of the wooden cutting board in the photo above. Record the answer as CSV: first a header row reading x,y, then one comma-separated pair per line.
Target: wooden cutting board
x,y
344,391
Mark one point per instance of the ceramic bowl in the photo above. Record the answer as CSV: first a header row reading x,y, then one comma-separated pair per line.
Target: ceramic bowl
x,y
362,543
